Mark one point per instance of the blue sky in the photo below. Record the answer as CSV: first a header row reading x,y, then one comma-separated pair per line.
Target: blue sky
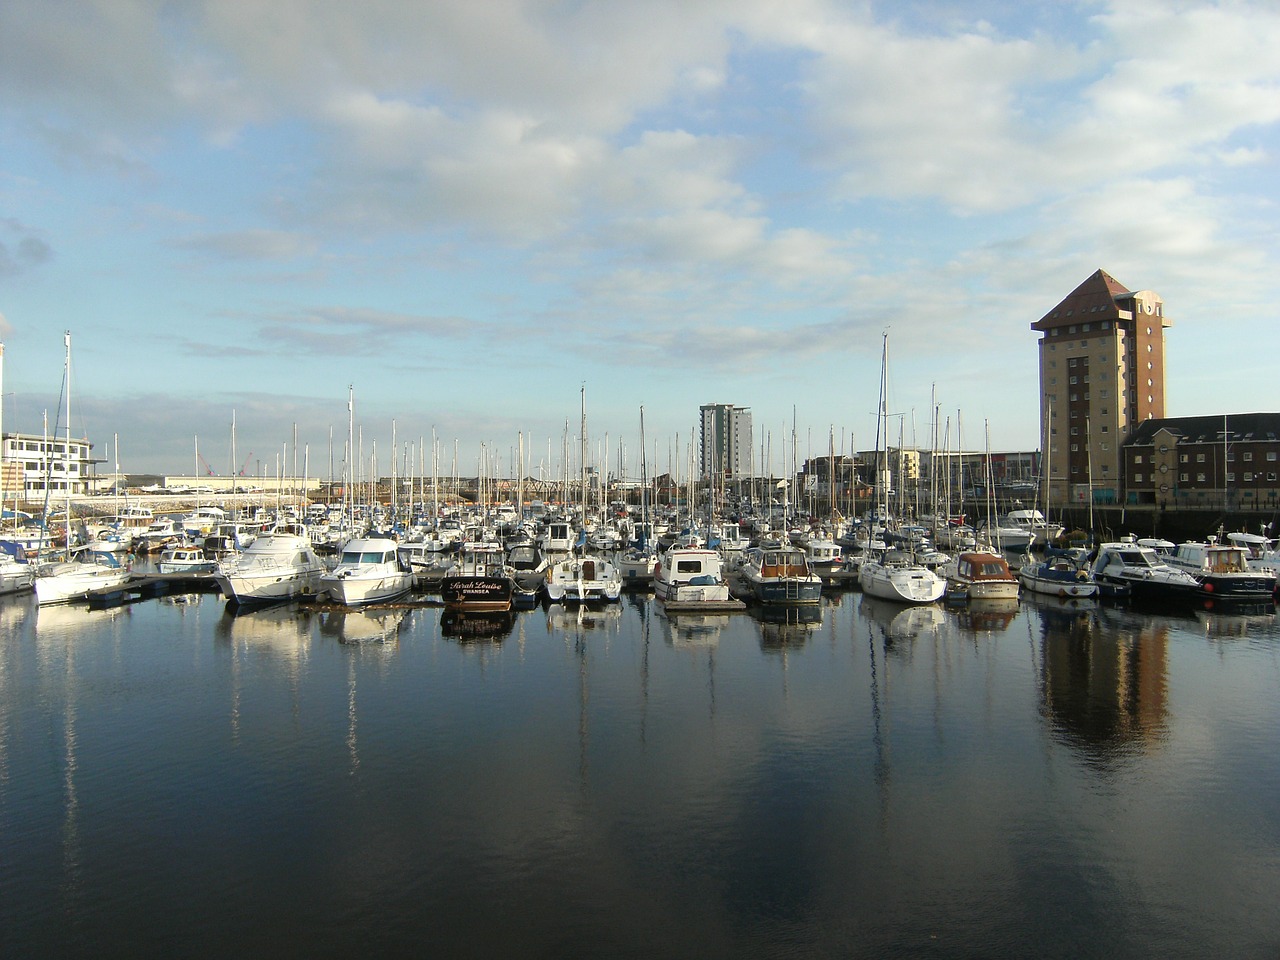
x,y
466,210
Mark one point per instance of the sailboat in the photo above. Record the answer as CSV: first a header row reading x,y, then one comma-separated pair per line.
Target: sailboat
x,y
895,574
581,577
81,572
636,564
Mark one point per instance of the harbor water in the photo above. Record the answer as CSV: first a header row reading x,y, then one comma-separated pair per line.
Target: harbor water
x,y
857,780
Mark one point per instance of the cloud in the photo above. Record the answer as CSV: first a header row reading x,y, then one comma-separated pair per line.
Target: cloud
x,y
251,245
21,248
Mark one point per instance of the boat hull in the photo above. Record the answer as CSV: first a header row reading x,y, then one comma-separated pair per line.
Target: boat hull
x,y
901,586
359,591
481,594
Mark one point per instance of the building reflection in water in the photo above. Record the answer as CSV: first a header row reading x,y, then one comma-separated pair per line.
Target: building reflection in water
x,y
1104,677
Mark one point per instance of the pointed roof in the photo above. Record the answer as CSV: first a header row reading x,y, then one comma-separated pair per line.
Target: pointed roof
x,y
1095,299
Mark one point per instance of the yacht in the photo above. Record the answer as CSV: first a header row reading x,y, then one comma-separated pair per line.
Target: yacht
x,y
185,558
1223,571
481,580
16,576
981,575
1143,571
780,575
83,573
368,571
278,565
692,579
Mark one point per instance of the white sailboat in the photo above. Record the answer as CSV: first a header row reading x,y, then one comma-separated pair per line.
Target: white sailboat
x,y
82,572
581,577
895,574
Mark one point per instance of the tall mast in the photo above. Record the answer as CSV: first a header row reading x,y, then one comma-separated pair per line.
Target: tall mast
x,y
67,470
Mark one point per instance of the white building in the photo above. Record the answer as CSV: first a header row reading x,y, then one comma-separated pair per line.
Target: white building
x,y
42,464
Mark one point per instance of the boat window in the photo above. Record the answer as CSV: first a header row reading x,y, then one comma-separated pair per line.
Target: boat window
x,y
689,566
352,557
992,570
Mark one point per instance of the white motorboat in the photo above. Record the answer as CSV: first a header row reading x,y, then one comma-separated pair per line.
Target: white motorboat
x,y
278,565
185,558
1033,522
897,576
1127,563
825,556
369,571
692,579
202,520
84,573
16,576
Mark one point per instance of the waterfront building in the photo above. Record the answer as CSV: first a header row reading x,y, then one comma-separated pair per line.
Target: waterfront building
x,y
1102,374
725,441
35,465
1231,460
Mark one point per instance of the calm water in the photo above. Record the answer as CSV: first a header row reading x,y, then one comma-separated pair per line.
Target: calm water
x,y
1034,781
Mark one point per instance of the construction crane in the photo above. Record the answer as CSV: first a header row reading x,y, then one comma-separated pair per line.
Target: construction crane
x,y
208,470
244,466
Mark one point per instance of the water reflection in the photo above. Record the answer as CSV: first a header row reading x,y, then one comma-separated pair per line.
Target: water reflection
x,y
584,619
70,620
1104,690
782,628
1238,622
902,621
476,626
284,630
364,626
694,629
988,615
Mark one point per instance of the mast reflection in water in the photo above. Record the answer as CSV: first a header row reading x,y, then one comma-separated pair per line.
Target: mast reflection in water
x,y
853,779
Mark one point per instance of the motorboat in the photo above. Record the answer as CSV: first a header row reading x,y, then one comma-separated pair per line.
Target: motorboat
x,y
368,571
825,556
185,558
1260,552
1223,571
16,576
159,534
1148,577
278,565
75,578
1060,575
1034,523
897,576
692,579
981,575
780,576
481,581
202,520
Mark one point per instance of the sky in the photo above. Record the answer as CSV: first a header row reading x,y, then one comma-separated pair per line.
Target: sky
x,y
469,214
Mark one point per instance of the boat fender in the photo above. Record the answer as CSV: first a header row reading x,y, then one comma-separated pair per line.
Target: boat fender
x,y
1208,588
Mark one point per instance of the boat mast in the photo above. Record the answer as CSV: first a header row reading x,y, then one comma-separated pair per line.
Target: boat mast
x,y
67,471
